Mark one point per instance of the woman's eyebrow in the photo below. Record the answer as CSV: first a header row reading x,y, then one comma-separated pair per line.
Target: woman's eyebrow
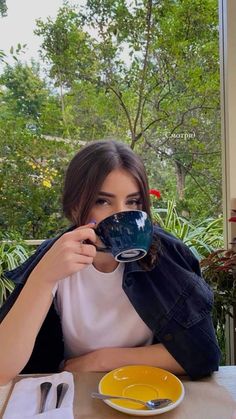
x,y
110,195
135,194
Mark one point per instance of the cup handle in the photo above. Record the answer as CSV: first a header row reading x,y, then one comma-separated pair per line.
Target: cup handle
x,y
103,249
98,248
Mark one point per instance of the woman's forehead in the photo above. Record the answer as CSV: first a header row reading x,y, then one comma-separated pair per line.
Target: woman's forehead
x,y
119,179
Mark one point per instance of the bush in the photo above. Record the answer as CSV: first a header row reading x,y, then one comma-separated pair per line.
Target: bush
x,y
202,238
12,254
219,271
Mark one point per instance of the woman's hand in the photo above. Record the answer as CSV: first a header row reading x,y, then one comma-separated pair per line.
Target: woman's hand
x,y
103,359
67,255
107,359
92,361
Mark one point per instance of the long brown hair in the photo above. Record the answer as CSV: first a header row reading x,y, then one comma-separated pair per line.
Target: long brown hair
x,y
87,172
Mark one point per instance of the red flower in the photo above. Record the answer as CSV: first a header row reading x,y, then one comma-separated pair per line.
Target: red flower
x,y
155,192
233,219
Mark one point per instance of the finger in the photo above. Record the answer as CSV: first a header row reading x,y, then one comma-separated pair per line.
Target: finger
x,y
84,260
91,224
85,249
84,233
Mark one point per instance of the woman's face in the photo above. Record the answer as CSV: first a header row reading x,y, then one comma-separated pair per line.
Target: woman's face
x,y
119,192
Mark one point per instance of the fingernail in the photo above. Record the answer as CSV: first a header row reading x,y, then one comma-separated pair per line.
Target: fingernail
x,y
92,222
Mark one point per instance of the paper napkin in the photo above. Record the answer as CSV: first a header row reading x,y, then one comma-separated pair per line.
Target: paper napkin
x,y
24,401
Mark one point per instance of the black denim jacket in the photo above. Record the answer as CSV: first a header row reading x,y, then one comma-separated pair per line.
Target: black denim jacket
x,y
172,299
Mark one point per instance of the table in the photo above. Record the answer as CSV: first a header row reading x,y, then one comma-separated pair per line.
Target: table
x,y
210,398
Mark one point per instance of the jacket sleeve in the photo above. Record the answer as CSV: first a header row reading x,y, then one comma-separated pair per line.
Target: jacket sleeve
x,y
175,302
189,334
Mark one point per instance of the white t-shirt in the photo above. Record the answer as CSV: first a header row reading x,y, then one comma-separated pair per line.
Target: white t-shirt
x,y
96,313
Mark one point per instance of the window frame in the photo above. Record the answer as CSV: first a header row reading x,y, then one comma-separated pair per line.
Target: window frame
x,y
227,32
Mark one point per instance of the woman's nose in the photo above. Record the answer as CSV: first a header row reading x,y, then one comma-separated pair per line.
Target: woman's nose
x,y
121,207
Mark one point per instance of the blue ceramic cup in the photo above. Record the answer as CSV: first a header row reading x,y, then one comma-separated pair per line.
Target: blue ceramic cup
x,y
127,235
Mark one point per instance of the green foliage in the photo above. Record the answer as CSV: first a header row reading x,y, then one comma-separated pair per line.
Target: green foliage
x,y
30,182
3,8
12,254
3,12
149,76
32,164
66,47
202,238
69,51
219,270
2,56
93,113
50,121
16,52
168,89
26,92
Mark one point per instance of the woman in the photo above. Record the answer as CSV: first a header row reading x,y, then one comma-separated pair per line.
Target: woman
x,y
78,308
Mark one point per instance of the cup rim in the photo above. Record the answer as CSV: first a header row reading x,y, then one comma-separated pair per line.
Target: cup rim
x,y
122,212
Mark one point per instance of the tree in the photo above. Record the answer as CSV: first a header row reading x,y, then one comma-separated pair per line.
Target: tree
x,y
3,8
166,87
150,77
30,181
169,91
68,50
25,92
31,166
3,13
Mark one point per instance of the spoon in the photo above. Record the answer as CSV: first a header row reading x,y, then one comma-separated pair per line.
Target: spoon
x,y
44,389
150,404
61,391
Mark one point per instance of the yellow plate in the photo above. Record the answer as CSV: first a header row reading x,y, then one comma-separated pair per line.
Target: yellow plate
x,y
141,382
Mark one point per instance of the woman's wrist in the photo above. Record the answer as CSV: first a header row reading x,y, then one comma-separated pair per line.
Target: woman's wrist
x,y
41,284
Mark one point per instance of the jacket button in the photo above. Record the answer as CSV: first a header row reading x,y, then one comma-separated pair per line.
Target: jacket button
x,y
168,337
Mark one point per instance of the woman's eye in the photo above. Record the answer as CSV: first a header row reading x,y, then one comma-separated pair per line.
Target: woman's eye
x,y
134,202
101,201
